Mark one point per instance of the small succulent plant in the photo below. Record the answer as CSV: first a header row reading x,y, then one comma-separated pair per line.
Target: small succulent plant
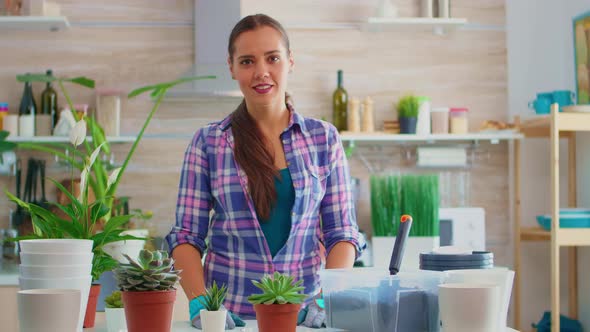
x,y
213,298
114,300
278,289
152,272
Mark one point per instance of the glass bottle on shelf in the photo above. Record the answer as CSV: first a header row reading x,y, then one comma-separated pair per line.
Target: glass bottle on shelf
x,y
48,108
340,105
27,111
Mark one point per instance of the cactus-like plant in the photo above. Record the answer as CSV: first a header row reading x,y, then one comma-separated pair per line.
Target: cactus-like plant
x,y
278,289
152,272
114,300
213,298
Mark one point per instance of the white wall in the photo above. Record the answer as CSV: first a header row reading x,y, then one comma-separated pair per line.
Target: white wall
x,y
540,58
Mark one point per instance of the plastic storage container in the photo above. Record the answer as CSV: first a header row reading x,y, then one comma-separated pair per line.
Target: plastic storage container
x,y
370,300
459,122
440,120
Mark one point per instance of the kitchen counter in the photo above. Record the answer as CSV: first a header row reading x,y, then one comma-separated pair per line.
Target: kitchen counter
x,y
8,273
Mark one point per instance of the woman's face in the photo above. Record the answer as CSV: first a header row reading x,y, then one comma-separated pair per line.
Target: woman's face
x,y
261,64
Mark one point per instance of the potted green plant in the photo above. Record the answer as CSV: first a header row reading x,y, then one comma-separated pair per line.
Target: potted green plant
x,y
84,216
407,112
213,315
148,290
115,313
279,302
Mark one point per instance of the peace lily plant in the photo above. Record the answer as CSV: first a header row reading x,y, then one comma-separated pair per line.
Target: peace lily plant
x,y
84,215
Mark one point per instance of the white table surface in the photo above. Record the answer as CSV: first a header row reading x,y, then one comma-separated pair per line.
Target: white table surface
x,y
186,327
250,327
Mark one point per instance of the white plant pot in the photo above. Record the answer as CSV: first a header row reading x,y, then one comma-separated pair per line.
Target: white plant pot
x,y
213,321
48,310
64,246
54,271
30,258
382,247
129,247
115,318
81,284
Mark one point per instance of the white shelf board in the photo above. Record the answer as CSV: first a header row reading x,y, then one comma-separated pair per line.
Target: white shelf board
x,y
66,139
385,137
438,25
34,23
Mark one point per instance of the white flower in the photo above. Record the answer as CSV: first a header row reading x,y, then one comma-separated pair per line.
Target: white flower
x,y
113,177
94,155
78,133
83,178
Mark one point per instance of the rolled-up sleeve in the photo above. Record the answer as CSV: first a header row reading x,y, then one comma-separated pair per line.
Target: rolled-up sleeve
x,y
194,198
337,207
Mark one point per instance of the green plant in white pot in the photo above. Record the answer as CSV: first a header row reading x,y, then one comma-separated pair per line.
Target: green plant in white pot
x,y
115,313
407,112
279,302
148,290
213,315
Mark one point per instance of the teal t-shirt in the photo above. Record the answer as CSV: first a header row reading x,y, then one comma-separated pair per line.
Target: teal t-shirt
x,y
277,227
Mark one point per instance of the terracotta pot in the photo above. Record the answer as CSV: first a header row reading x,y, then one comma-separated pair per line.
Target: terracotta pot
x,y
91,306
149,311
270,316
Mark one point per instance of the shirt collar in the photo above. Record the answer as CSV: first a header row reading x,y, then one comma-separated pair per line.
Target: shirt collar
x,y
294,119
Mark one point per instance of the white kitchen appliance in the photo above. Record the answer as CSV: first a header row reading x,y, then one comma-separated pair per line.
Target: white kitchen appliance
x,y
463,227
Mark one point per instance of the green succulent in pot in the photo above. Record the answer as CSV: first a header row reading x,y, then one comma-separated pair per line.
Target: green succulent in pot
x,y
214,297
153,271
279,302
278,289
114,300
148,289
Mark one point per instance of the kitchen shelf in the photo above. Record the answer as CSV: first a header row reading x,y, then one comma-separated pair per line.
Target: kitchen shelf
x,y
438,25
34,23
534,234
66,139
553,126
493,137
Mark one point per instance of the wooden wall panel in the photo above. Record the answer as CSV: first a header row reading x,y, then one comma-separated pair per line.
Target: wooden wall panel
x,y
129,11
130,43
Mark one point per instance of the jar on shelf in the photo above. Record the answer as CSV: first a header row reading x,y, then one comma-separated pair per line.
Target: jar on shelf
x,y
354,115
423,123
3,113
368,121
459,122
439,120
108,111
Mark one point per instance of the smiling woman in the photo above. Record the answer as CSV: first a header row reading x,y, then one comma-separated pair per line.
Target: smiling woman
x,y
269,175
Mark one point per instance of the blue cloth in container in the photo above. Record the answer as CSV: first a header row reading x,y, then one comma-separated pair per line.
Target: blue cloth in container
x,y
566,324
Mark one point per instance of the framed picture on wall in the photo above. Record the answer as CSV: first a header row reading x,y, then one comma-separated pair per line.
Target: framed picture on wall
x,y
582,57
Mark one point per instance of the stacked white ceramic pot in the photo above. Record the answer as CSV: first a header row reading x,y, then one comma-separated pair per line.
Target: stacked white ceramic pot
x,y
57,263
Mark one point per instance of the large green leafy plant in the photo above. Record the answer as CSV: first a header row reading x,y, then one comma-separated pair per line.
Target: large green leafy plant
x,y
278,289
84,215
98,179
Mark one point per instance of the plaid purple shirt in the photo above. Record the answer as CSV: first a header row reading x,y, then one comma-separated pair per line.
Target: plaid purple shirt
x,y
236,247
